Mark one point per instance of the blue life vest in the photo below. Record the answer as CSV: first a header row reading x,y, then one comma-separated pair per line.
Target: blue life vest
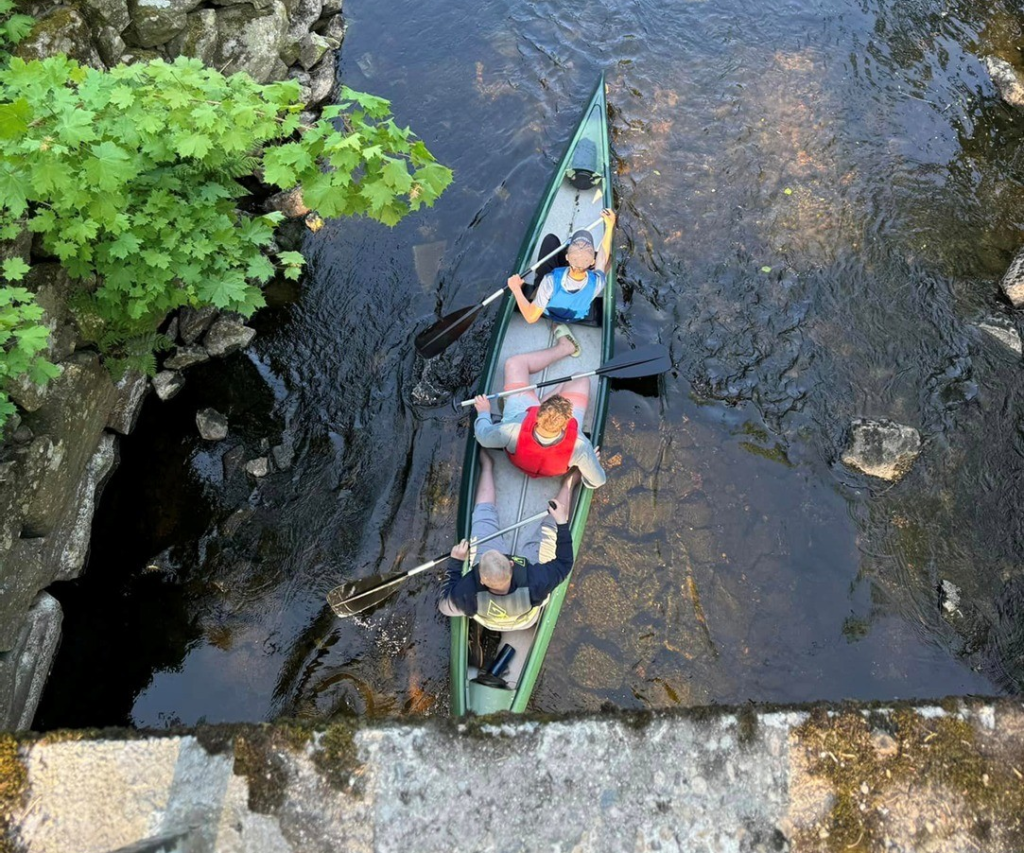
x,y
570,307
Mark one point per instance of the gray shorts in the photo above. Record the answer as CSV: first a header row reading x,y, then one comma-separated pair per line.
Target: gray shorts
x,y
537,547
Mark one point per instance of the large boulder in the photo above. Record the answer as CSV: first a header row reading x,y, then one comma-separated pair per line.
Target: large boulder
x,y
24,669
251,40
167,383
1007,80
61,30
131,392
882,448
198,39
156,22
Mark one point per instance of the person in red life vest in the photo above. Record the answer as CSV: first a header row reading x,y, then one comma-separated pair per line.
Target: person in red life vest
x,y
571,280
505,591
543,439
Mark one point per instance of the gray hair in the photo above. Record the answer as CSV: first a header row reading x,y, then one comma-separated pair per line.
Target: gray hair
x,y
494,569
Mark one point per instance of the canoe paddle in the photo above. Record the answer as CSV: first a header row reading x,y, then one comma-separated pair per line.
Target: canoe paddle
x,y
356,596
449,329
645,361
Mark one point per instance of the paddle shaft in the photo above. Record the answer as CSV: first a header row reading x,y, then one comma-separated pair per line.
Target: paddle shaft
x,y
547,257
501,394
439,560
654,357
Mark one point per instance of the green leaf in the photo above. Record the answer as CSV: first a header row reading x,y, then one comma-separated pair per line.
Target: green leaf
x,y
396,175
109,166
377,195
15,269
194,145
14,118
291,258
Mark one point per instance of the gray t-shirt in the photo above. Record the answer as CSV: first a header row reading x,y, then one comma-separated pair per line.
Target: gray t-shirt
x,y
547,287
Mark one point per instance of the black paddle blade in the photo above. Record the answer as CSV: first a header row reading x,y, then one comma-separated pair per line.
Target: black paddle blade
x,y
646,361
356,596
445,332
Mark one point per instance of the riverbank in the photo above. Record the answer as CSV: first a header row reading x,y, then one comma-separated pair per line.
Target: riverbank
x,y
813,778
58,450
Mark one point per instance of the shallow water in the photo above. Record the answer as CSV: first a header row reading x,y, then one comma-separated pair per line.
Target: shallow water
x,y
816,203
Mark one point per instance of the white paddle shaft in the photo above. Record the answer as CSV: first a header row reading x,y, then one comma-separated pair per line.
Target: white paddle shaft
x,y
548,256
501,394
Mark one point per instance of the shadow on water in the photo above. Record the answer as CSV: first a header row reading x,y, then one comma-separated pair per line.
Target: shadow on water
x,y
816,202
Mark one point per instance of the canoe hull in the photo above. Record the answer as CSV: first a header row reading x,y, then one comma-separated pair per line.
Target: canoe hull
x,y
562,210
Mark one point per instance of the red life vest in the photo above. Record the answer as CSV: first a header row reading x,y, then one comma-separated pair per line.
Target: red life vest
x,y
543,460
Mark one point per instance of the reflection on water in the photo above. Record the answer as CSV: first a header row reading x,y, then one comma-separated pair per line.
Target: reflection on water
x,y
816,201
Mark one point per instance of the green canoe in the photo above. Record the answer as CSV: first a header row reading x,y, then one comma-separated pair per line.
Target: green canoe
x,y
563,210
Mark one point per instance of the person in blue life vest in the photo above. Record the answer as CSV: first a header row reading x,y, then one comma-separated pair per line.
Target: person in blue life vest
x,y
567,288
542,438
505,592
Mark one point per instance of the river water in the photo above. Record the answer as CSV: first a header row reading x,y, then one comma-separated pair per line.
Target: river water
x,y
816,200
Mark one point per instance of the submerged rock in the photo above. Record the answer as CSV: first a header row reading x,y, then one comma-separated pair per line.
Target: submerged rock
x,y
167,383
882,448
1006,79
213,426
1003,330
258,467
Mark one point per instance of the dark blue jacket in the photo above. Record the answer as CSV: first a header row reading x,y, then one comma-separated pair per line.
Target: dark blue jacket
x,y
542,578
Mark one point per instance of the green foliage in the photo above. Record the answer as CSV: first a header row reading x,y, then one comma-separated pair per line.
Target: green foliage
x,y
13,28
22,336
129,175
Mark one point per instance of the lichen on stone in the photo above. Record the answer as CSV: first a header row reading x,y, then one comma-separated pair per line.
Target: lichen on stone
x,y
13,787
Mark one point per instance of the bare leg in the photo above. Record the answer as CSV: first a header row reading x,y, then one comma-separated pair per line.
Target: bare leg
x,y
577,391
519,368
485,493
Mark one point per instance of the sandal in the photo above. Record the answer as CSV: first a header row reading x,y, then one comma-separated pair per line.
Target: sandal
x,y
563,331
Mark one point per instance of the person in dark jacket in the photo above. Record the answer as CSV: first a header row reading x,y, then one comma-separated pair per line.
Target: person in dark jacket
x,y
505,592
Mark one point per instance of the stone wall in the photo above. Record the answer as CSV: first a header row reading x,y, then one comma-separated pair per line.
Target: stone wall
x,y
855,778
58,451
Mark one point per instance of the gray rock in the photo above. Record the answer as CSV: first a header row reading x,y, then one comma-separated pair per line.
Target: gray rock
x,y
250,40
333,28
213,426
186,357
289,202
131,391
194,321
167,383
106,13
331,7
25,668
227,335
283,455
156,22
322,79
62,30
135,55
882,448
1012,282
302,15
1007,80
258,467
312,47
198,40
1004,331
109,45
171,332
22,435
